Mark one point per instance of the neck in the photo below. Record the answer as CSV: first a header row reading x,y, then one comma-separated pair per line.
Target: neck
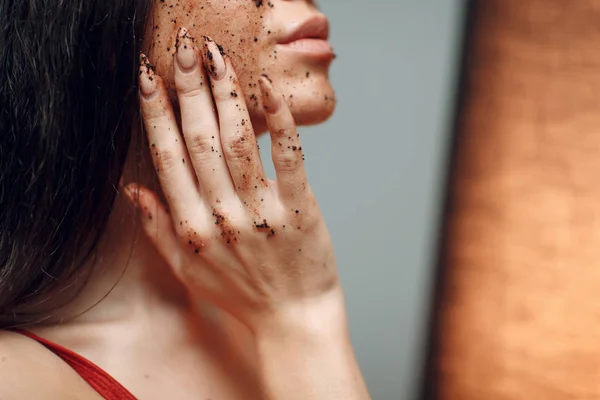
x,y
126,277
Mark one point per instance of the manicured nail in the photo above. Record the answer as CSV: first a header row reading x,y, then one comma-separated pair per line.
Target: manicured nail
x,y
132,189
132,194
147,78
271,101
186,50
213,58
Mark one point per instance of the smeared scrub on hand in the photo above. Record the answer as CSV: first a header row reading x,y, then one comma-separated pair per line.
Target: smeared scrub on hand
x,y
195,243
150,69
228,233
264,226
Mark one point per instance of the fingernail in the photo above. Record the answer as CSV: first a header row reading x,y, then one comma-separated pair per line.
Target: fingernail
x,y
271,101
131,193
186,51
147,78
131,189
213,58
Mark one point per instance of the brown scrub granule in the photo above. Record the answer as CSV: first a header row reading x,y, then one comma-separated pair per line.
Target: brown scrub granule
x,y
264,225
227,232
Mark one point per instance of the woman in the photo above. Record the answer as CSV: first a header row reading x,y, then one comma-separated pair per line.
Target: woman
x,y
229,290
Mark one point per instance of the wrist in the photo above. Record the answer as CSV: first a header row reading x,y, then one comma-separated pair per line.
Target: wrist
x,y
304,352
315,318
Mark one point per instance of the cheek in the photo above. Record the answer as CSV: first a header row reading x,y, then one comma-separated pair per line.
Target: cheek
x,y
243,30
238,25
248,35
234,24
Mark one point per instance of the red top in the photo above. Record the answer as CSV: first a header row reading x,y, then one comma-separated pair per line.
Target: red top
x,y
95,376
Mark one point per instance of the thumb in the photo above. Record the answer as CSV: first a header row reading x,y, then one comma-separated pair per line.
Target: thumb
x,y
157,223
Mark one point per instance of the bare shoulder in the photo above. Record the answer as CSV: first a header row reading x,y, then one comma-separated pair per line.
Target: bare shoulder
x,y
29,371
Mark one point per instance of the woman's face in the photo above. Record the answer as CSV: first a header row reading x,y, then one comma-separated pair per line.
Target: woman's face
x,y
254,35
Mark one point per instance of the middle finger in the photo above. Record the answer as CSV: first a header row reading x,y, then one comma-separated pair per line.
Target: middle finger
x,y
237,136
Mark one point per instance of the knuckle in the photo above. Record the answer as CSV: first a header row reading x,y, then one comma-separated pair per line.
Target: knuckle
x,y
199,144
189,90
287,161
225,93
228,226
155,117
164,159
193,238
240,148
287,132
269,225
155,112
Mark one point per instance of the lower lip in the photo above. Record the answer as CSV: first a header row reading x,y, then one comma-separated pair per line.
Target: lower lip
x,y
314,47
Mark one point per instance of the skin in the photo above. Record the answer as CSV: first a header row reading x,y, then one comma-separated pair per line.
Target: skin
x,y
518,316
235,24
214,303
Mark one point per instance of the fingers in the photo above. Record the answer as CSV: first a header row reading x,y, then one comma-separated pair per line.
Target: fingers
x,y
166,145
285,143
199,121
237,136
158,227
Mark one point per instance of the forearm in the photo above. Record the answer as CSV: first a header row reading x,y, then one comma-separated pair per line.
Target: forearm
x,y
306,354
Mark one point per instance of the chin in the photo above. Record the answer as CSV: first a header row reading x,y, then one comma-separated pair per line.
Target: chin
x,y
312,108
306,116
309,106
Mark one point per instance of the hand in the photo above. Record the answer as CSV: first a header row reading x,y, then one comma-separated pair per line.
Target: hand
x,y
252,246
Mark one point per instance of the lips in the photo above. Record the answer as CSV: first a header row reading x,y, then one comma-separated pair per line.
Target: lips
x,y
316,27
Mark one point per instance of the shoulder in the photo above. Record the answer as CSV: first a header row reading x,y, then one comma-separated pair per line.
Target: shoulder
x,y
30,371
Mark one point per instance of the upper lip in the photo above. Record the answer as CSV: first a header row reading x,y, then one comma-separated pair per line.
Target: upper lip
x,y
315,27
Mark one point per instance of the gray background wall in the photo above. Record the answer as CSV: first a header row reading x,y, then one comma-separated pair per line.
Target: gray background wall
x,y
377,169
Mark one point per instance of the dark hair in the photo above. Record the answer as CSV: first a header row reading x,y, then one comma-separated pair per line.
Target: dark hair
x,y
68,102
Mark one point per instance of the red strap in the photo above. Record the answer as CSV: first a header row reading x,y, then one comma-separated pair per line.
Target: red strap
x,y
95,376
